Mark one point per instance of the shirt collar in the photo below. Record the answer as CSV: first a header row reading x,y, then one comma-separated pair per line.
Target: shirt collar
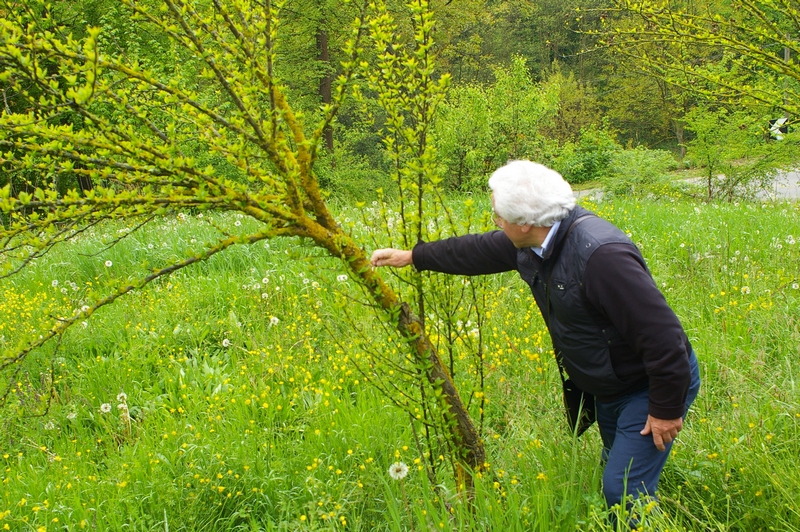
x,y
550,235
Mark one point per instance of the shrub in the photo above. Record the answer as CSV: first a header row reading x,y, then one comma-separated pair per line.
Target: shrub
x,y
589,158
637,171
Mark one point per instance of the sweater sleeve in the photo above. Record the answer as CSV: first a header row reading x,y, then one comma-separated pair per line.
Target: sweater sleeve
x,y
619,285
475,254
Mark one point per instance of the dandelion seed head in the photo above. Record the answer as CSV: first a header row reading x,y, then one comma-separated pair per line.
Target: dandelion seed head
x,y
54,283
341,278
105,408
274,320
109,264
122,397
226,343
398,470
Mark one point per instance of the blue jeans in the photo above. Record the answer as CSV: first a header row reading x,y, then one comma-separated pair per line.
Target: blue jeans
x,y
633,464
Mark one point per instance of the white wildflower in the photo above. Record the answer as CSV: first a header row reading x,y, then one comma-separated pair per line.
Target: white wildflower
x,y
341,278
398,470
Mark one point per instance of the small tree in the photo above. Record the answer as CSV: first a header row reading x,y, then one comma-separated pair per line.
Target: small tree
x,y
733,152
221,136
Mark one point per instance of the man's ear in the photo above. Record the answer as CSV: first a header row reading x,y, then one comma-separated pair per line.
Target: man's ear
x,y
525,228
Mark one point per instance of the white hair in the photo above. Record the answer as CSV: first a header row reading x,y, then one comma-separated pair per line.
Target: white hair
x,y
528,193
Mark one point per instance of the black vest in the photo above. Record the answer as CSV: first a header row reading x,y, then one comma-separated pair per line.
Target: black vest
x,y
581,335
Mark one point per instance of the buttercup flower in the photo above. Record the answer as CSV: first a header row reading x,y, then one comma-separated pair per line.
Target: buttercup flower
x,y
398,470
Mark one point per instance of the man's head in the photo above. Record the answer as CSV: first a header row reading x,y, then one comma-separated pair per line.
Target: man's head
x,y
527,193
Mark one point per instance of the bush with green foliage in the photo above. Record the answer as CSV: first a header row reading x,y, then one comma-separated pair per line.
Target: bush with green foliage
x,y
638,171
589,158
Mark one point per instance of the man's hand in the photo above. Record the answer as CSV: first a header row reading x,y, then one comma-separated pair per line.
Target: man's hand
x,y
391,257
663,430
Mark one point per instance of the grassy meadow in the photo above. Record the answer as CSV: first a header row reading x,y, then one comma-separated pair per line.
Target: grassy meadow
x,y
232,396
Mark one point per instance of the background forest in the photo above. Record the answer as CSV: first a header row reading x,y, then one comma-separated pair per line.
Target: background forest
x,y
600,92
191,337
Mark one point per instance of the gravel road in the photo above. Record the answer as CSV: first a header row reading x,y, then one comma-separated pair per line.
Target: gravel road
x,y
785,186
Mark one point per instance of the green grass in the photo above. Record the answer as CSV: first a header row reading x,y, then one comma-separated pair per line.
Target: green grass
x,y
237,421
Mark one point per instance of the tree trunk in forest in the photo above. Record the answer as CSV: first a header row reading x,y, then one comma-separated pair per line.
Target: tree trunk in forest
x,y
326,82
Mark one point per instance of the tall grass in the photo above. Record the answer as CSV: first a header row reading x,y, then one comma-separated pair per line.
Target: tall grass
x,y
225,397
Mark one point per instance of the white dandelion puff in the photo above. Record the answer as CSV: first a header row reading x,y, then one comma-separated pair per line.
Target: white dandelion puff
x,y
109,264
341,278
795,286
54,283
226,343
122,397
745,290
105,408
398,470
274,320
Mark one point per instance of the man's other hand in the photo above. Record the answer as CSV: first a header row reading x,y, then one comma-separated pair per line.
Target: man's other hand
x,y
663,430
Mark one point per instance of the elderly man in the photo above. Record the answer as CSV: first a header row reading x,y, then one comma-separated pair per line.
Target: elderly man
x,y
613,332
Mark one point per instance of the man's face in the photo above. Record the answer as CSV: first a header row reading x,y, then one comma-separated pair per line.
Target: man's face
x,y
522,236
